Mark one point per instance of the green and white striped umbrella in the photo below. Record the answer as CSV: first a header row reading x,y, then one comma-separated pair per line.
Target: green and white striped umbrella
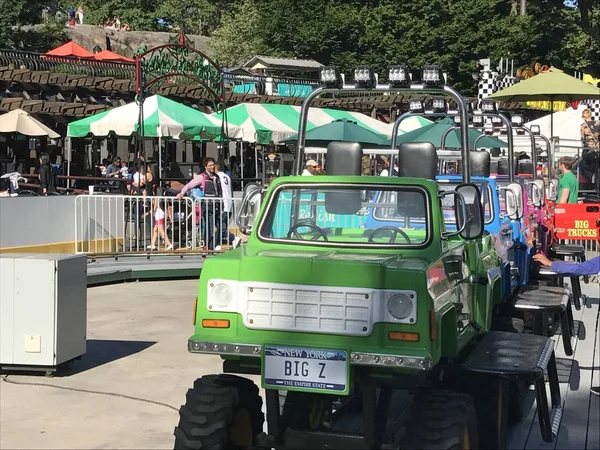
x,y
162,117
263,122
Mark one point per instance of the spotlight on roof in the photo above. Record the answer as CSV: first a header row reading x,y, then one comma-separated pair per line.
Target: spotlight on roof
x,y
416,106
432,75
488,106
399,75
364,77
477,120
439,105
516,119
329,76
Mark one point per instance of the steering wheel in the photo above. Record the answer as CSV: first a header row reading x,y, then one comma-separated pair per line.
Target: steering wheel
x,y
294,231
393,237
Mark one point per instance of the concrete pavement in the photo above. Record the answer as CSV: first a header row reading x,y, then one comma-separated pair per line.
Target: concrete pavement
x,y
137,346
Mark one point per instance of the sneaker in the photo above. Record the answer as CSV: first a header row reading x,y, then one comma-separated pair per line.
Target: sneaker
x,y
170,247
236,242
595,390
218,248
151,247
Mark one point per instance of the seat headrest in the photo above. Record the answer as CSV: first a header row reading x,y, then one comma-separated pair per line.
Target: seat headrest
x,y
480,163
417,159
503,166
344,158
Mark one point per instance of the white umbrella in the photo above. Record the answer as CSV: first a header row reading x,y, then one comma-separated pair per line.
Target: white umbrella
x,y
19,121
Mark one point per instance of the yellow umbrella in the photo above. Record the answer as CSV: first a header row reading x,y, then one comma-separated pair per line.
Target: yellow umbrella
x,y
19,121
551,85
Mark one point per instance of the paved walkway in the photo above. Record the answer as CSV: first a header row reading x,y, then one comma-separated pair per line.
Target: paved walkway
x,y
580,425
126,390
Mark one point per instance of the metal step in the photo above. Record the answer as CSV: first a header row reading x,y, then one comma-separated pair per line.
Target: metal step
x,y
511,354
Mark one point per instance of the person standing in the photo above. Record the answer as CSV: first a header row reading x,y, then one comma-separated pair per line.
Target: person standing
x,y
47,184
568,186
209,184
590,267
80,14
227,206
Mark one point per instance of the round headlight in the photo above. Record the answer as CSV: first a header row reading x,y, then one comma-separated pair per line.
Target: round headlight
x,y
400,306
222,295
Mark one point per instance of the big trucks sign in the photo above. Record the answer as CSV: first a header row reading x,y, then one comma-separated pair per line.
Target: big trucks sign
x,y
577,221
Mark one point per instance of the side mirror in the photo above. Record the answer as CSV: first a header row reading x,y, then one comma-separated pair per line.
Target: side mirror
x,y
470,218
553,190
535,194
249,208
541,188
514,201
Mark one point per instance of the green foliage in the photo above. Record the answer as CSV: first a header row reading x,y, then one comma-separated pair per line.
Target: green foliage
x,y
454,33
240,35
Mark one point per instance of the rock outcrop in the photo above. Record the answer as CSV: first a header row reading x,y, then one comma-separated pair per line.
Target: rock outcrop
x,y
127,42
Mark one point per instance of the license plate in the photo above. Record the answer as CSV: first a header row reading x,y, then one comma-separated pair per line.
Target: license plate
x,y
305,369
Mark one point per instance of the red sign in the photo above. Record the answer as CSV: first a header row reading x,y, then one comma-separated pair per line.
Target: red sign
x,y
577,221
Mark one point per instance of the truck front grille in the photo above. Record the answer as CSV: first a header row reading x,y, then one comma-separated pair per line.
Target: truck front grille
x,y
318,309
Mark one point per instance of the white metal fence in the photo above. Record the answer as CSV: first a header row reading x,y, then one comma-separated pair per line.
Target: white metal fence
x,y
109,224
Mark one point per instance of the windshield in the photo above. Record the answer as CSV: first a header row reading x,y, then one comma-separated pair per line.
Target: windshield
x,y
348,215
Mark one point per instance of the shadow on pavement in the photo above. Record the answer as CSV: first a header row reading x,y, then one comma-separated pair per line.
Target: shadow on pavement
x,y
104,351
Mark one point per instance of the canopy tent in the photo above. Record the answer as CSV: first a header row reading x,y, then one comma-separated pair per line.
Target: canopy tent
x,y
264,123
435,131
567,123
341,130
162,118
70,49
551,85
107,55
19,121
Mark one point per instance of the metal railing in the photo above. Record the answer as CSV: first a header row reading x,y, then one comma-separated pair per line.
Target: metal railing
x,y
126,224
66,64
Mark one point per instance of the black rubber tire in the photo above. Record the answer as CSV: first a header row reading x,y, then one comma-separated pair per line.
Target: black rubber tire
x,y
213,407
441,421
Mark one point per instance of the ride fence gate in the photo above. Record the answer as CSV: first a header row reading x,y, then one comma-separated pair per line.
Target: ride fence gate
x,y
126,224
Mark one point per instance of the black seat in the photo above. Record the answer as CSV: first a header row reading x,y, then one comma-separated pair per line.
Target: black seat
x,y
568,250
577,253
541,301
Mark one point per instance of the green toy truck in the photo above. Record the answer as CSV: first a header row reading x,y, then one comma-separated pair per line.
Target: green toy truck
x,y
364,336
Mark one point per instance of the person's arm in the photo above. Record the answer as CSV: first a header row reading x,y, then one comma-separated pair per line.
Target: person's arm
x,y
44,180
590,267
564,195
195,182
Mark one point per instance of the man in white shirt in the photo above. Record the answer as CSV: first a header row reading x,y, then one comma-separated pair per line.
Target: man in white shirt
x,y
310,167
227,211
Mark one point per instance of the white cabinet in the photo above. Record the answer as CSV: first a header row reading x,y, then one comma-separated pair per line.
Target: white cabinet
x,y
43,309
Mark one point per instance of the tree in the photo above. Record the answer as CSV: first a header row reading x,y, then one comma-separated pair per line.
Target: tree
x,y
191,16
240,35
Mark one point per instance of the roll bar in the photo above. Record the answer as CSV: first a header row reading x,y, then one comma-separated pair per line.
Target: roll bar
x,y
421,88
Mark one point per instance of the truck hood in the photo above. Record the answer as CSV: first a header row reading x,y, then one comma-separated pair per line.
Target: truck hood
x,y
334,268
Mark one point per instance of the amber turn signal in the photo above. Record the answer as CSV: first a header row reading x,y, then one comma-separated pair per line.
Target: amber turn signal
x,y
215,323
402,336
